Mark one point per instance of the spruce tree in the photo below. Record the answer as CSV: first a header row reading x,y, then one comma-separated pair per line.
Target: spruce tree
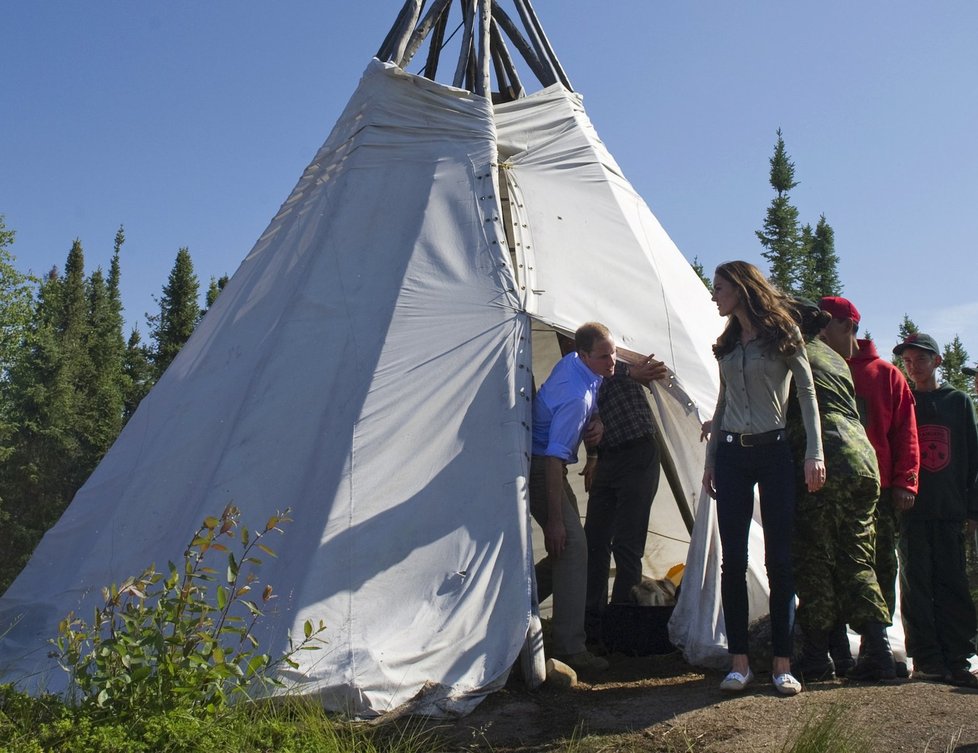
x,y
16,307
907,328
701,273
823,261
952,359
217,284
140,375
807,287
115,293
16,302
781,234
49,397
106,391
178,315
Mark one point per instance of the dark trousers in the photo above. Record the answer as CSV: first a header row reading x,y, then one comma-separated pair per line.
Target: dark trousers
x,y
938,614
738,469
618,510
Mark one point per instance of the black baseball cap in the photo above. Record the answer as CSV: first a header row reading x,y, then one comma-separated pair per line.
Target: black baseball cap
x,y
918,340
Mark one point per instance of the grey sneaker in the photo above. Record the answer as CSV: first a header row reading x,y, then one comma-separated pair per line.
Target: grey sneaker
x,y
735,682
584,661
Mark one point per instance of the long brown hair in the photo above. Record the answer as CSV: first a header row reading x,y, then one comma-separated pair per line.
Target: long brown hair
x,y
767,308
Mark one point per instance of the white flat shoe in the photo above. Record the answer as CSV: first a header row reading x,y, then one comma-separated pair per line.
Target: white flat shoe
x,y
734,682
786,684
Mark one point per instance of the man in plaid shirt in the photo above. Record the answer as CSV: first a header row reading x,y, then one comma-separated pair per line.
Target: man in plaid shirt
x,y
622,476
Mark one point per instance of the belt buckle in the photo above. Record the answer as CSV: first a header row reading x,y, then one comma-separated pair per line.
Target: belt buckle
x,y
743,443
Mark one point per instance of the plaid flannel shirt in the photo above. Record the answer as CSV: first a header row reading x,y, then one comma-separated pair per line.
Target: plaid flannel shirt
x,y
624,409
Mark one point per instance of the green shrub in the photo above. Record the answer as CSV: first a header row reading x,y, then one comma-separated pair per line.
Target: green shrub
x,y
161,643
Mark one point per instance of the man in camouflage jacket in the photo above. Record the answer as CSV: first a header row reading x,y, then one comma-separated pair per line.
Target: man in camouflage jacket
x,y
834,547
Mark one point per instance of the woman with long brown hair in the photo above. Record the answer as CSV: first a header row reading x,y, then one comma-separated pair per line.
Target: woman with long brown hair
x,y
759,351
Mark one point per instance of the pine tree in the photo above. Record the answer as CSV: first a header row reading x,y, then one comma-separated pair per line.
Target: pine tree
x,y
115,274
907,328
139,373
701,273
16,308
823,261
16,302
217,284
49,396
178,315
781,234
103,408
952,359
807,286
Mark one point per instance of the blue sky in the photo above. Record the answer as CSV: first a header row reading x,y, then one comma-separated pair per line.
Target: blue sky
x,y
190,122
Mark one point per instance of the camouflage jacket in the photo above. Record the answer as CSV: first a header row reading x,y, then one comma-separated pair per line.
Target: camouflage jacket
x,y
844,441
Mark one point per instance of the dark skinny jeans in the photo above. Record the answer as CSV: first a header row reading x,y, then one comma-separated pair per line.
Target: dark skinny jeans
x,y
737,471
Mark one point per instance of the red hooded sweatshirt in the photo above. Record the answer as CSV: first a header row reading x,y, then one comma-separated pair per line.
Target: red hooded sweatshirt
x,y
886,406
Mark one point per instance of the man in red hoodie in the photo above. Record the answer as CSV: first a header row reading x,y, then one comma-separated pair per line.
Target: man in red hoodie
x,y
886,408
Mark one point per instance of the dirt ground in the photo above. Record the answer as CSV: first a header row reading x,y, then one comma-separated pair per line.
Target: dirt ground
x,y
660,704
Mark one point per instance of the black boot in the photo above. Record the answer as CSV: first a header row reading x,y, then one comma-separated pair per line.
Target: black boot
x,y
875,657
840,651
814,663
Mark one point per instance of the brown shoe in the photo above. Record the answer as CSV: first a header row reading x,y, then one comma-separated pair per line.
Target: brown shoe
x,y
584,661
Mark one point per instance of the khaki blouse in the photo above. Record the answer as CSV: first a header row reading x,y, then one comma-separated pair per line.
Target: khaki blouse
x,y
754,383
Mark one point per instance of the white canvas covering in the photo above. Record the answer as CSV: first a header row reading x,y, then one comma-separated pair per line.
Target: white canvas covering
x,y
368,366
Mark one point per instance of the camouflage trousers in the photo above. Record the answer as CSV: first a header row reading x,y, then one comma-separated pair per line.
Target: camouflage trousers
x,y
887,528
834,556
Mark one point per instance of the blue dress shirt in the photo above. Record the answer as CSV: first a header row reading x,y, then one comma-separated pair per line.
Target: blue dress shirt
x,y
562,408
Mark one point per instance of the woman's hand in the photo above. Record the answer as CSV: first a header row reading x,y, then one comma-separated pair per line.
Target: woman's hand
x,y
814,474
709,483
705,430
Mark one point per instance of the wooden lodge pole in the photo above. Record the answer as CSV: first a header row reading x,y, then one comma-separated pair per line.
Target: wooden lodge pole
x,y
465,49
540,37
483,82
543,72
423,29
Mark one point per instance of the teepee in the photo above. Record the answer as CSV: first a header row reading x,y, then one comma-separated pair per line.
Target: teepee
x,y
369,366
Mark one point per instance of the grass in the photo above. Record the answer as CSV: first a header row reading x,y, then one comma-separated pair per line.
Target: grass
x,y
834,732
293,725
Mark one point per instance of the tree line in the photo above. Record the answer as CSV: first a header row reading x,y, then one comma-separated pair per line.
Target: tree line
x,y
70,379
803,262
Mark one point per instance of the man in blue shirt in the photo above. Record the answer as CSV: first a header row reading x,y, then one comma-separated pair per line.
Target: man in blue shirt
x,y
561,411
